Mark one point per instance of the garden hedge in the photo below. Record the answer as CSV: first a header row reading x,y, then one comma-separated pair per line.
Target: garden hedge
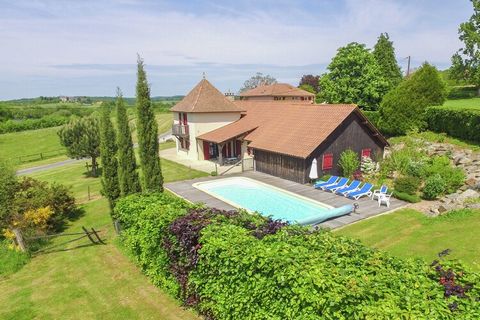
x,y
236,265
458,123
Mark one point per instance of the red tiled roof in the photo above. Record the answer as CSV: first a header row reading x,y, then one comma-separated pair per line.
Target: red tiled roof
x,y
293,129
205,98
276,89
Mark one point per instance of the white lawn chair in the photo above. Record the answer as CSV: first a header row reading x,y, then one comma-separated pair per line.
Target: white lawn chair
x,y
377,193
384,198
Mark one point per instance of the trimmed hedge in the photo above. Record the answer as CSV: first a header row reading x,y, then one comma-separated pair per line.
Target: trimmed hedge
x,y
465,92
236,265
458,123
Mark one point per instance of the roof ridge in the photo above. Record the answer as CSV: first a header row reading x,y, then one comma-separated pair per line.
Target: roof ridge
x,y
199,92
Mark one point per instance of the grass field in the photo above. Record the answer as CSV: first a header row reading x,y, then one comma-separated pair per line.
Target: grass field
x,y
473,103
84,281
408,233
437,137
23,149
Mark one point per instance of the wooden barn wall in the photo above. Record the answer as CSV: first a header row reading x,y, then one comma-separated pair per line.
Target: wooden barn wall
x,y
280,165
351,134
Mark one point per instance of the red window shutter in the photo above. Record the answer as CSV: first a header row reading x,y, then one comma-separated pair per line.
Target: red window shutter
x,y
327,161
185,119
206,150
366,152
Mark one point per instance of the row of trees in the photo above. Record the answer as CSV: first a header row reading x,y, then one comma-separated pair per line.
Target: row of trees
x,y
95,136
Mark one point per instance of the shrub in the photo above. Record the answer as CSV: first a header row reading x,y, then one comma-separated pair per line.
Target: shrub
x,y
407,184
441,165
8,186
367,165
434,187
403,108
447,120
348,162
406,197
465,92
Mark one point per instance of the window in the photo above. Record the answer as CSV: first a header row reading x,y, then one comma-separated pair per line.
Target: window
x,y
366,152
327,161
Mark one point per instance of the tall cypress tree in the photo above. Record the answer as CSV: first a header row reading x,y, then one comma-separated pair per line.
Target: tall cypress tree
x,y
108,154
384,53
147,131
127,174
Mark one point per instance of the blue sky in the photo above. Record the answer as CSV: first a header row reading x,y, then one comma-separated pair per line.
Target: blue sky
x,y
86,47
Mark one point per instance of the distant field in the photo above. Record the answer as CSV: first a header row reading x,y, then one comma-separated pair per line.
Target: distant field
x,y
27,148
27,143
473,103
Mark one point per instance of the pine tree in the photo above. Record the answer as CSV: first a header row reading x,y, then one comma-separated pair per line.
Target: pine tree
x,y
384,53
147,131
127,174
108,154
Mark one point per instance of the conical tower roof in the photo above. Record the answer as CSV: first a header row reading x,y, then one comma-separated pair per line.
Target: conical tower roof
x,y
205,98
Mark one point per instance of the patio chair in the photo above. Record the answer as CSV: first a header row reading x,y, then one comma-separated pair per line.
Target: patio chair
x,y
330,181
377,193
363,191
384,198
351,188
340,184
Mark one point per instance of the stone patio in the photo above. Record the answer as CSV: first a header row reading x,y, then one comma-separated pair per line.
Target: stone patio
x,y
367,207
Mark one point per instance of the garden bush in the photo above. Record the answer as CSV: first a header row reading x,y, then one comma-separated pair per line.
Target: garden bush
x,y
348,162
458,123
407,184
465,92
406,197
434,187
441,165
236,265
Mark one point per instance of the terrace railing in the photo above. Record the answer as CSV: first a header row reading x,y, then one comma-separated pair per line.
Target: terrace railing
x,y
180,130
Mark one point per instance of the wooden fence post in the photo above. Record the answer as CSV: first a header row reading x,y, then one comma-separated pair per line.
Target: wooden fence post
x,y
118,227
19,238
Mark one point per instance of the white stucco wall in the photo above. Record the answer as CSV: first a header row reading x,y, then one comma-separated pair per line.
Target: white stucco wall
x,y
200,123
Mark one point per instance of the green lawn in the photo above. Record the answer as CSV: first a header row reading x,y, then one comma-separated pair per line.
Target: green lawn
x,y
32,142
23,149
473,103
437,137
74,175
85,281
408,233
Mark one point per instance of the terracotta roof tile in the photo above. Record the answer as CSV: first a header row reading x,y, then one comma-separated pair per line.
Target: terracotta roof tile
x,y
276,89
205,98
293,129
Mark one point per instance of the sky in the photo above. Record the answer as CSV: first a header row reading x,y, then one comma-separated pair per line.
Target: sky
x,y
89,47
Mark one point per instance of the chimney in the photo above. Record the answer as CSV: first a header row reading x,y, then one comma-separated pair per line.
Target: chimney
x,y
230,95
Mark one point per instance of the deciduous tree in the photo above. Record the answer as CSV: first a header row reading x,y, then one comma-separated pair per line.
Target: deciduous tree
x,y
147,130
127,166
81,138
466,62
311,81
384,54
353,77
258,80
108,153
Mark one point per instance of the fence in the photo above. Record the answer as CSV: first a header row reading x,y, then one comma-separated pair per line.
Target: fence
x,y
37,156
24,242
246,165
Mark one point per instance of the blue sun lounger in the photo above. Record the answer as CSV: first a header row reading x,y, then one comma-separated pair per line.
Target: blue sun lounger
x,y
340,184
330,181
351,188
364,191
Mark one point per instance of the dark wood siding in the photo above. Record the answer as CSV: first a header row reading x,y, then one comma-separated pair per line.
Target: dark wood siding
x,y
280,165
351,134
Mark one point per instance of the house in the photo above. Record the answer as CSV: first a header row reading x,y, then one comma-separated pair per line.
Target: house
x,y
283,137
277,92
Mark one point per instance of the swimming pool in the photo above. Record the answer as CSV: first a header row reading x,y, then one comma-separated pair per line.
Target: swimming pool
x,y
268,200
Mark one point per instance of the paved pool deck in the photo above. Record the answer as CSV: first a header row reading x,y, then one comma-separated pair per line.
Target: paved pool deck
x,y
367,207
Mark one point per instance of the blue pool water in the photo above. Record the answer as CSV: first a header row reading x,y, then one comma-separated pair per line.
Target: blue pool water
x,y
256,196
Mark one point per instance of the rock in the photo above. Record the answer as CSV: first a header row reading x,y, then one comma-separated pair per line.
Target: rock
x,y
463,161
463,188
473,206
443,208
471,182
467,194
